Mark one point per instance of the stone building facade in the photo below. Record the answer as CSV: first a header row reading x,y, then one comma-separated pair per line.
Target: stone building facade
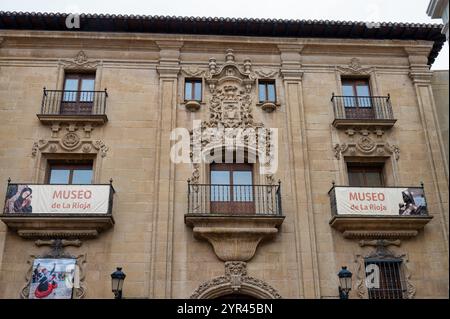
x,y
439,84
149,75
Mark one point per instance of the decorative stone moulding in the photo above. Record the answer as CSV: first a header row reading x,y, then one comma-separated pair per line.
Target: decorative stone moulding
x,y
363,142
58,225
381,252
235,281
70,142
192,106
57,251
269,107
379,227
234,238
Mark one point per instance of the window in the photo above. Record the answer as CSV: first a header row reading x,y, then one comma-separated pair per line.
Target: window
x,y
356,92
365,174
267,91
232,188
193,90
79,172
78,95
390,281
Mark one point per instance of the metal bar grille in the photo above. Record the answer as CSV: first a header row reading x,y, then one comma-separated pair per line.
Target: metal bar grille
x,y
391,280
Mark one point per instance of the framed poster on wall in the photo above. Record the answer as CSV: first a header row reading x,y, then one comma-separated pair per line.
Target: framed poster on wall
x,y
52,278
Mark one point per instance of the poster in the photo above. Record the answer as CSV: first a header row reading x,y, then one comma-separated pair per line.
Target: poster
x,y
392,201
42,199
52,278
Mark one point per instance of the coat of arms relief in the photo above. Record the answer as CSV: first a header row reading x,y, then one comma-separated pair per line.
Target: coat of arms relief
x,y
230,104
231,93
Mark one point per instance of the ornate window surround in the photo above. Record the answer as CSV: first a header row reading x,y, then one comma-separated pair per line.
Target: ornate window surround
x,y
68,146
80,63
381,252
366,145
355,70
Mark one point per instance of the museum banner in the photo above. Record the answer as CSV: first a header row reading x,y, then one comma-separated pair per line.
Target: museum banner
x,y
380,201
51,199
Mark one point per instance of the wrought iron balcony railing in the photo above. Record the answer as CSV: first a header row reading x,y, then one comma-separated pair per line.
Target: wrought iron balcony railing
x,y
234,199
362,107
62,102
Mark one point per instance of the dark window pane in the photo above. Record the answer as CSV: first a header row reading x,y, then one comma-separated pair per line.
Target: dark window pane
x,y
82,176
59,176
370,175
355,179
373,179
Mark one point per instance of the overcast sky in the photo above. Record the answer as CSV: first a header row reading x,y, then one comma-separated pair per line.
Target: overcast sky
x,y
359,10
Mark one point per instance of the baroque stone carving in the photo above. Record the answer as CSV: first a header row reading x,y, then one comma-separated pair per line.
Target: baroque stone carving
x,y
230,105
381,252
57,251
80,61
365,143
235,280
267,74
70,142
354,67
193,72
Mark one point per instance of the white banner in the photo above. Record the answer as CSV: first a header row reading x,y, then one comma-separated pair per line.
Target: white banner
x,y
46,199
380,201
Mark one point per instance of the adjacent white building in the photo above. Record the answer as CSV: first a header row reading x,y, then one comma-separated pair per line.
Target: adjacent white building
x,y
439,9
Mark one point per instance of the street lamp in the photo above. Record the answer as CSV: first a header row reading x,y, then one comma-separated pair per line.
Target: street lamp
x,y
117,279
345,282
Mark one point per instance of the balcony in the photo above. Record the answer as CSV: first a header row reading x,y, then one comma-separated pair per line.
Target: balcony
x,y
234,218
73,106
378,212
362,111
58,211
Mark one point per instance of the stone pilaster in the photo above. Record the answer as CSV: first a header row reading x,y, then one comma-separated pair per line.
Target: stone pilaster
x,y
299,165
162,226
421,77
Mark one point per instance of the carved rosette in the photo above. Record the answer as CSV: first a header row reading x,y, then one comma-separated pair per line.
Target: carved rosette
x,y
235,280
365,143
70,142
